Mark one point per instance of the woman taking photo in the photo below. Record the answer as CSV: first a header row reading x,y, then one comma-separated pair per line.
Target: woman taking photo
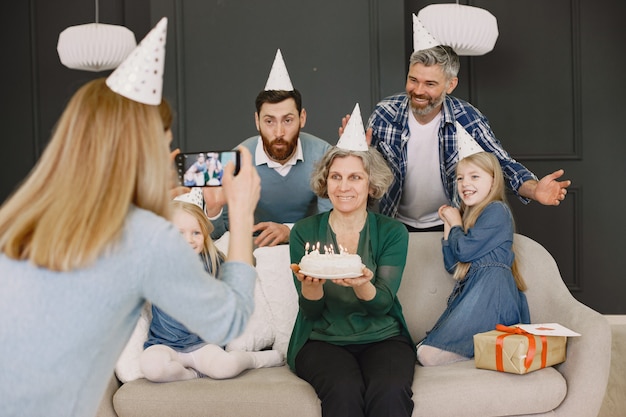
x,y
85,241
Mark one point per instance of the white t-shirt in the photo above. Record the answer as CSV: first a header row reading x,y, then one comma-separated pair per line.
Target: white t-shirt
x,y
423,191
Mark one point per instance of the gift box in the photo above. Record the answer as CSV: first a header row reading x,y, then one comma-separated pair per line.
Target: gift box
x,y
514,350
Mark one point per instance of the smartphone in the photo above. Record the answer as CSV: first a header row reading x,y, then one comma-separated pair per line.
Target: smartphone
x,y
204,169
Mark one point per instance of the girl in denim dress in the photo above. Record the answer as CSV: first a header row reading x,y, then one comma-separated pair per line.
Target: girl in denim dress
x,y
174,353
478,247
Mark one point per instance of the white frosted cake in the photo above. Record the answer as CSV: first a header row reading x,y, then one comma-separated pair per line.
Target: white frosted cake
x,y
318,264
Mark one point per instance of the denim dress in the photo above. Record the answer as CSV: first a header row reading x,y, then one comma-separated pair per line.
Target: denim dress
x,y
488,294
166,330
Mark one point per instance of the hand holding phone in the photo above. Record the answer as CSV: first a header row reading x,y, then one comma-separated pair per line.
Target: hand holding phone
x,y
204,169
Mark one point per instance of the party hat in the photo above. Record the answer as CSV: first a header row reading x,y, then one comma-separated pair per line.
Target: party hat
x,y
353,137
140,76
279,77
422,38
466,145
194,197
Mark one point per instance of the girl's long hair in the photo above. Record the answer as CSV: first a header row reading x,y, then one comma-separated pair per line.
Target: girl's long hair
x,y
210,252
490,164
106,154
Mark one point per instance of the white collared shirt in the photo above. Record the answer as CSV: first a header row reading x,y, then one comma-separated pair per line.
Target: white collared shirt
x,y
283,169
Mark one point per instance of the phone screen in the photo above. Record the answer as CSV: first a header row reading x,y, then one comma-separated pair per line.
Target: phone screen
x,y
204,169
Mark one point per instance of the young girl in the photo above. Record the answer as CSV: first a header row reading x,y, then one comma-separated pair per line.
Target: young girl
x,y
478,247
172,352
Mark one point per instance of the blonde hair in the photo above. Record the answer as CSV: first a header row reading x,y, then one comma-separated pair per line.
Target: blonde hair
x,y
490,164
210,252
107,153
167,116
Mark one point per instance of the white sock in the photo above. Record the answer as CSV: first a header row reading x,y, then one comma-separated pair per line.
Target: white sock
x,y
267,358
432,356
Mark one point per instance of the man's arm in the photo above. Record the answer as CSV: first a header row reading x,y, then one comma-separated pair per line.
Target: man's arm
x,y
548,190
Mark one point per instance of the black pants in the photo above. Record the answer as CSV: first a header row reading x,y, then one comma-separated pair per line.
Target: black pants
x,y
372,380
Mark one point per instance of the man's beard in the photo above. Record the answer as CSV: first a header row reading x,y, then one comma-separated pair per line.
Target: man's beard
x,y
282,154
432,105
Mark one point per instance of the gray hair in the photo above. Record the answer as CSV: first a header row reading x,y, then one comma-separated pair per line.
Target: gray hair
x,y
380,175
438,55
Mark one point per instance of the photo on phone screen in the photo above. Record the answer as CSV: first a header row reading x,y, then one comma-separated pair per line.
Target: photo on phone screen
x,y
204,169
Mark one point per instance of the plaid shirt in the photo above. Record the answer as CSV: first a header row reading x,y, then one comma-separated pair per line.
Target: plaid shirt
x,y
390,124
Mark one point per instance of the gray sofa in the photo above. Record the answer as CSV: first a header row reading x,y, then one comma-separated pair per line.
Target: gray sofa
x,y
574,388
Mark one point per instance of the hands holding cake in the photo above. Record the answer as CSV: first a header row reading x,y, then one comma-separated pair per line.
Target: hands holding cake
x,y
342,268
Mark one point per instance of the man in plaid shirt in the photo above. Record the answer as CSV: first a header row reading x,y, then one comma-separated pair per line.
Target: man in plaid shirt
x,y
416,133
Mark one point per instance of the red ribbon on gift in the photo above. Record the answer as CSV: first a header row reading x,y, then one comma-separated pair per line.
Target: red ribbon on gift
x,y
530,355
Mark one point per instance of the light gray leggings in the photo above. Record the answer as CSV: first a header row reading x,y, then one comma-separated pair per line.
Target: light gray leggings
x,y
160,363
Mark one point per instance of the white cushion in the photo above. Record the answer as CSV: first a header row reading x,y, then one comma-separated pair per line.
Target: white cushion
x,y
276,279
127,367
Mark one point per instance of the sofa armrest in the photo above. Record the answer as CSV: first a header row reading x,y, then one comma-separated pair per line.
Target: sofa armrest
x,y
106,409
588,360
587,366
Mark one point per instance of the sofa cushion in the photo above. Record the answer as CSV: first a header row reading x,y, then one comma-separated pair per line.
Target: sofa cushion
x,y
425,286
484,392
277,392
276,281
259,332
266,392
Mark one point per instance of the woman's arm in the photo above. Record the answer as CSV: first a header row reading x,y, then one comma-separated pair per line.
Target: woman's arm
x,y
390,256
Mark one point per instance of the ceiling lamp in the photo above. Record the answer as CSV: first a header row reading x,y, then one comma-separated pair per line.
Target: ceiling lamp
x,y
95,46
466,29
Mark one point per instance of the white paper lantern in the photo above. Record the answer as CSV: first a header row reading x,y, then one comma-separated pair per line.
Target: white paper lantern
x,y
466,29
95,46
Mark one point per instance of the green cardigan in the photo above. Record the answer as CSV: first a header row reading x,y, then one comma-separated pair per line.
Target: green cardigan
x,y
339,317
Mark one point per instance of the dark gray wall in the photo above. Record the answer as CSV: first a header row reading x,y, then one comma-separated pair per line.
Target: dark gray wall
x,y
551,88
333,51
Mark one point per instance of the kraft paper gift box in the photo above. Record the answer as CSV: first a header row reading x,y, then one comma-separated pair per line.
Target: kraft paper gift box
x,y
515,350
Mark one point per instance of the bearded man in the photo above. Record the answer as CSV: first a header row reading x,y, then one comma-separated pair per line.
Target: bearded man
x,y
284,158
416,131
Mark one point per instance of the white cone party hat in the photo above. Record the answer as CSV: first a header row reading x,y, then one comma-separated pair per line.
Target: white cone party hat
x,y
422,38
194,197
140,76
353,137
465,143
279,77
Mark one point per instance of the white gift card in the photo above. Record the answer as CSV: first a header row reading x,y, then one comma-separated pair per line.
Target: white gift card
x,y
547,329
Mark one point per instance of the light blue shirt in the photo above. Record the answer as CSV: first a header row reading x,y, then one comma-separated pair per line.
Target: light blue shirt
x,y
62,332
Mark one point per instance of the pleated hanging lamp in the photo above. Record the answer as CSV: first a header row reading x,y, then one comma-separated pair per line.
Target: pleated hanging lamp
x,y
466,29
95,46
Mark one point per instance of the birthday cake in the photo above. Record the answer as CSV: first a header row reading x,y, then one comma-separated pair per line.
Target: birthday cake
x,y
331,265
